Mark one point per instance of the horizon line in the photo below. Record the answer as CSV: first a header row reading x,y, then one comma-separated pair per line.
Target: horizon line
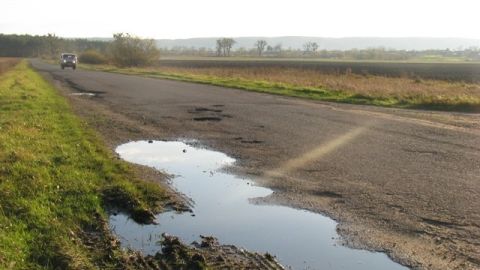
x,y
253,36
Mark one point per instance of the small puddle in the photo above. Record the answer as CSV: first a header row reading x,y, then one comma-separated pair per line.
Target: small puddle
x,y
300,239
83,94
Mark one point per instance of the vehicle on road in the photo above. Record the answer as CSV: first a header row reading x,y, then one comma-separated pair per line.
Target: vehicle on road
x,y
68,60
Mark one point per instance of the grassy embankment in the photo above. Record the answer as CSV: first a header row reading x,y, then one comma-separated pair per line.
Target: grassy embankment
x,y
346,88
56,181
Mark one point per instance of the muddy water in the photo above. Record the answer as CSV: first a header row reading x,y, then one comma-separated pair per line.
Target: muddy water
x,y
300,239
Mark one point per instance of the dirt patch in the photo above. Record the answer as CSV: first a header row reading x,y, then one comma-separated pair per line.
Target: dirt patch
x,y
7,63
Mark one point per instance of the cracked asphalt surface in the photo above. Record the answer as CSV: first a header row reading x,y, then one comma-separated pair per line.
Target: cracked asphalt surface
x,y
401,181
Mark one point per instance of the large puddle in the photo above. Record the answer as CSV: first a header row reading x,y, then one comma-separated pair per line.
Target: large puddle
x,y
300,239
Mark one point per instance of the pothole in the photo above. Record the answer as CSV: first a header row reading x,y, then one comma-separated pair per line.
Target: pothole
x,y
251,141
201,119
201,109
83,94
300,239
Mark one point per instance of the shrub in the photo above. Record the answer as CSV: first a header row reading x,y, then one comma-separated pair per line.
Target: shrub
x,y
127,50
92,57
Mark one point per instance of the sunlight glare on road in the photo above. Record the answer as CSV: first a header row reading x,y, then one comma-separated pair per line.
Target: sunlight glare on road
x,y
317,153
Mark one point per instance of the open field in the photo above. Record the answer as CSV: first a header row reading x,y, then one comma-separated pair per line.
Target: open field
x,y
430,59
311,83
457,71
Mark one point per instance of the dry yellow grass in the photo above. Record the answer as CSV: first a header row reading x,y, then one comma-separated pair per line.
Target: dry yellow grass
x,y
370,86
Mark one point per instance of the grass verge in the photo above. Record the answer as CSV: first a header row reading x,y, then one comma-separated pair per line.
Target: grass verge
x,y
56,181
344,88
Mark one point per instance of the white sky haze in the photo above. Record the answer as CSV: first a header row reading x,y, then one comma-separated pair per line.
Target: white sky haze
x,y
213,18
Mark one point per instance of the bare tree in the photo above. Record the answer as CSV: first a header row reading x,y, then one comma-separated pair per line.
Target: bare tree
x,y
314,46
228,44
219,47
260,44
307,47
310,47
224,46
278,49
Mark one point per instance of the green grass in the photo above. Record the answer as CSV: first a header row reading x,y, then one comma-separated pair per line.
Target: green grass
x,y
416,100
56,181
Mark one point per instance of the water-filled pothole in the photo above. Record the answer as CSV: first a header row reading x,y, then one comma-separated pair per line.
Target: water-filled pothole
x,y
299,238
83,94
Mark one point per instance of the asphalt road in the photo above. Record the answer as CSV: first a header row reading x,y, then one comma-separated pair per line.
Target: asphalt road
x,y
407,182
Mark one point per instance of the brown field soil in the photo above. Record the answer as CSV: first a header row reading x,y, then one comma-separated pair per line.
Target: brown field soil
x,y
6,63
465,71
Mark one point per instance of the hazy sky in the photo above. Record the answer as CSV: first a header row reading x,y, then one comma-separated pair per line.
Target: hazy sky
x,y
207,18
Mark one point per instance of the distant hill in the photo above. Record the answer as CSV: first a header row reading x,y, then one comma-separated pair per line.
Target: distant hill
x,y
332,43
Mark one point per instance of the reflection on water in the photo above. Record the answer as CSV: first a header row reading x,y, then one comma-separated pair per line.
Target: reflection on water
x,y
83,94
299,238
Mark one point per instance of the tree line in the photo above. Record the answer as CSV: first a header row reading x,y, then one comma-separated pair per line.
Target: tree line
x,y
261,48
124,50
224,47
48,45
